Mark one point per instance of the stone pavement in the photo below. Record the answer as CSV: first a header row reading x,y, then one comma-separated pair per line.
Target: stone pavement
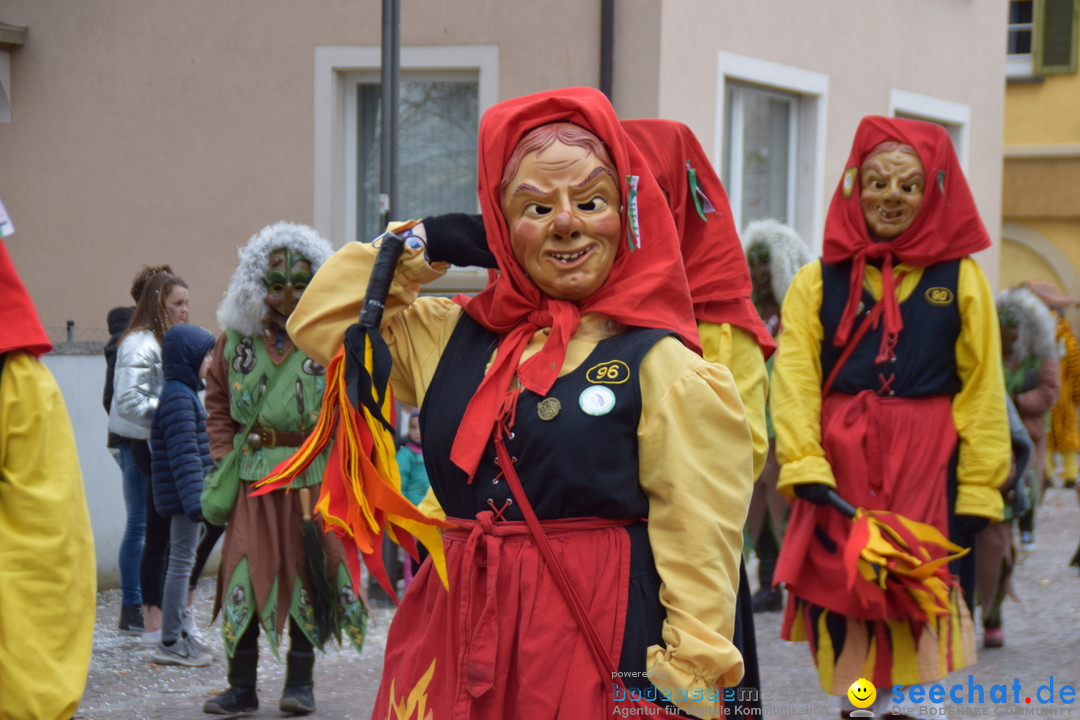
x,y
1042,645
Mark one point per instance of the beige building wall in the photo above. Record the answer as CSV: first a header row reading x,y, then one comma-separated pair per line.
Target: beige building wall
x,y
169,132
942,61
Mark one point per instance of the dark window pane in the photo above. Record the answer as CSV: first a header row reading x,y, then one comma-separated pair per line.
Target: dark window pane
x,y
1021,11
1019,42
437,125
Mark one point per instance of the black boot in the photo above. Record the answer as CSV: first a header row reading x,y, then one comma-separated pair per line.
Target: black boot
x,y
298,697
131,619
767,599
237,699
240,697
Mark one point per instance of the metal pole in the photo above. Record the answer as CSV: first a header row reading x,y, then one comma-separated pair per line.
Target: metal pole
x,y
607,46
390,77
395,107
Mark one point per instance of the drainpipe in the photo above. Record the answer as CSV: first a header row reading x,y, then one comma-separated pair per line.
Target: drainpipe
x,y
607,45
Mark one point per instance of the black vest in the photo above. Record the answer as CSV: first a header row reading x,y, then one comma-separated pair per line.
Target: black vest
x,y
572,463
925,363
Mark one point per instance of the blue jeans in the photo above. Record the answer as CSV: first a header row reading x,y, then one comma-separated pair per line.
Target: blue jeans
x,y
131,546
183,537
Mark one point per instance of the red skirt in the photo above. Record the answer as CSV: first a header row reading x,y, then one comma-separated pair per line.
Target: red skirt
x,y
886,454
501,643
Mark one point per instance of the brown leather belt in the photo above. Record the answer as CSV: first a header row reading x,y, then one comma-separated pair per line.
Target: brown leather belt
x,y
269,437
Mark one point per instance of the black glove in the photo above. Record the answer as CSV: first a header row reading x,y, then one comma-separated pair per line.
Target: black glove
x,y
817,493
968,525
458,239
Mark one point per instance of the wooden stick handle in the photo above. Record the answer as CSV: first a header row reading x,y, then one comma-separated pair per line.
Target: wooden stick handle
x,y
305,503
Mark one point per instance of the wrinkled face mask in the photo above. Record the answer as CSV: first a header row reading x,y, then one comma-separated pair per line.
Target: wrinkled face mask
x,y
286,279
562,209
892,192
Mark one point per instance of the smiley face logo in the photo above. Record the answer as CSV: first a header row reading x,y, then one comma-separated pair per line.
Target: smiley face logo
x,y
862,693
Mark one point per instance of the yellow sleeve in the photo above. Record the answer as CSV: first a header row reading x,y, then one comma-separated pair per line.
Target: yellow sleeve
x,y
696,470
739,351
795,394
48,573
979,411
416,329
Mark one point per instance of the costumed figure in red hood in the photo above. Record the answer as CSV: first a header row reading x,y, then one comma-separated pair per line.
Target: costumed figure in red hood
x,y
263,397
48,574
560,407
730,328
888,388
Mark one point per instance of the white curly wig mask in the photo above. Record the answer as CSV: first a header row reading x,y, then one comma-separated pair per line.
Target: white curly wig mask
x,y
244,306
1019,307
787,251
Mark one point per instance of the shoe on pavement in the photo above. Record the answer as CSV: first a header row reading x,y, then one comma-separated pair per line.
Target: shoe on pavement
x,y
181,652
131,619
197,644
297,699
767,600
151,639
237,699
1027,540
993,637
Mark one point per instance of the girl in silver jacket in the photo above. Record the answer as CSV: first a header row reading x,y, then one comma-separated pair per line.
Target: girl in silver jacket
x,y
137,384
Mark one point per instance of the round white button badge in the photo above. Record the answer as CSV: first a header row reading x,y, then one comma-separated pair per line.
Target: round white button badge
x,y
597,400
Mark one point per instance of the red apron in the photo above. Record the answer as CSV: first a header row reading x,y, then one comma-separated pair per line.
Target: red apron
x,y
502,643
886,453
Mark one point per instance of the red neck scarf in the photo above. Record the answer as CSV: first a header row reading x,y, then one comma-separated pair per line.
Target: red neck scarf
x,y
646,287
715,264
20,328
948,226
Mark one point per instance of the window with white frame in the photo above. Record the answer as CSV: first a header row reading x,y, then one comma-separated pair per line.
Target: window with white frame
x,y
954,117
444,90
1021,37
438,117
1042,38
771,139
760,148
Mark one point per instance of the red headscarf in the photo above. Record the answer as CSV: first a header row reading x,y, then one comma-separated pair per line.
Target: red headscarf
x,y
20,328
948,226
712,254
646,287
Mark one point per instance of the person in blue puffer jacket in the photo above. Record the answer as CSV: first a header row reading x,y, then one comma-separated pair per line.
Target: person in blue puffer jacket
x,y
180,451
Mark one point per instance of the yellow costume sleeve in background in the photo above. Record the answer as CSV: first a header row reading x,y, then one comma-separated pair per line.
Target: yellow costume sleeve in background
x,y
795,394
48,572
739,351
979,411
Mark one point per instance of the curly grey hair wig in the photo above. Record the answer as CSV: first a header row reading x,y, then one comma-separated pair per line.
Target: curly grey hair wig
x,y
1019,307
787,251
243,306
